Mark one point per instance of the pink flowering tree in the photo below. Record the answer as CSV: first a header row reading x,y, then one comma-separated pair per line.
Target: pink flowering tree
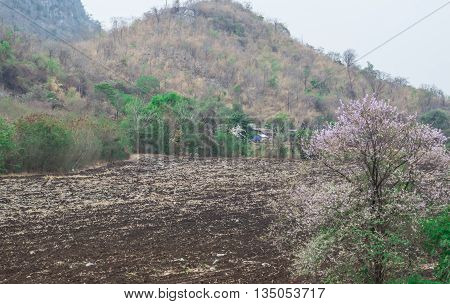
x,y
383,171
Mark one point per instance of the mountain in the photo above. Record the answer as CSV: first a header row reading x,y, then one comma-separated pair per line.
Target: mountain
x,y
65,18
222,48
217,49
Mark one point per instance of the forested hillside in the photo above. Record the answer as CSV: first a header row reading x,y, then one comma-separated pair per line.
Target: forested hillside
x,y
224,49
209,49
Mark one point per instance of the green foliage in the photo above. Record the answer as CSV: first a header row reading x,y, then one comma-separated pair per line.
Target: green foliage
x,y
170,99
281,149
320,86
173,124
111,94
230,146
439,119
148,85
5,50
437,231
302,139
6,142
273,81
237,89
236,116
43,142
275,69
413,279
114,143
50,65
281,123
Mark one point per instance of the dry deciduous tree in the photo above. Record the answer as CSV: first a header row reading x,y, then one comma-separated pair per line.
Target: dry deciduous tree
x,y
349,58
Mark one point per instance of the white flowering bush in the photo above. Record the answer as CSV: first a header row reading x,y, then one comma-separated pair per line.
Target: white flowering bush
x,y
383,171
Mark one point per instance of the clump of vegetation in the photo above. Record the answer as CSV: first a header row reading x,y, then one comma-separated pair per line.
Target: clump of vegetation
x,y
439,119
437,232
6,142
43,142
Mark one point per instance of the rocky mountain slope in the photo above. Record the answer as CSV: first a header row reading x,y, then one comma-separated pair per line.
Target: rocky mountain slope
x,y
66,18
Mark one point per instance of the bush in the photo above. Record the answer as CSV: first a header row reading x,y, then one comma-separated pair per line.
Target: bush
x,y
43,142
114,144
6,143
437,231
439,119
86,146
148,85
5,50
231,146
281,123
47,65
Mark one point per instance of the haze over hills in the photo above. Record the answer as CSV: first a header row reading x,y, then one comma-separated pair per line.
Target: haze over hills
x,y
66,18
206,49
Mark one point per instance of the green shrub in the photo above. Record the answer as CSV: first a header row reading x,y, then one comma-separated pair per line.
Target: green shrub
x,y
437,231
439,119
413,279
231,146
236,116
6,143
302,139
5,50
148,85
43,142
280,123
47,144
86,146
46,64
281,150
166,99
112,94
114,144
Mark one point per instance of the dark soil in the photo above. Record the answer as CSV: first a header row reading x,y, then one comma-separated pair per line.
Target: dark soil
x,y
150,221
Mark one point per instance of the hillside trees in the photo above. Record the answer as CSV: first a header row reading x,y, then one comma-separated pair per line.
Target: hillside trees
x,y
386,171
376,79
200,49
349,58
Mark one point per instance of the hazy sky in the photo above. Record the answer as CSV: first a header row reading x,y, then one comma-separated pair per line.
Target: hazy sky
x,y
422,55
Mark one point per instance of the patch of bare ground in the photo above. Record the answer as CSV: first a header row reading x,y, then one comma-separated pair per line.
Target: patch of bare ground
x,y
147,220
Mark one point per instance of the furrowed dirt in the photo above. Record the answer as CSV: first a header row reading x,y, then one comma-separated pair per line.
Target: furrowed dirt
x,y
152,220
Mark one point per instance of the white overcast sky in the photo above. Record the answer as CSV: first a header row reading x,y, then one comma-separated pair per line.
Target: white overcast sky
x,y
422,55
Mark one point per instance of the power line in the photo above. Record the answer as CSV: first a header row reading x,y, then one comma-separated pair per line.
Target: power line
x,y
402,32
67,43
